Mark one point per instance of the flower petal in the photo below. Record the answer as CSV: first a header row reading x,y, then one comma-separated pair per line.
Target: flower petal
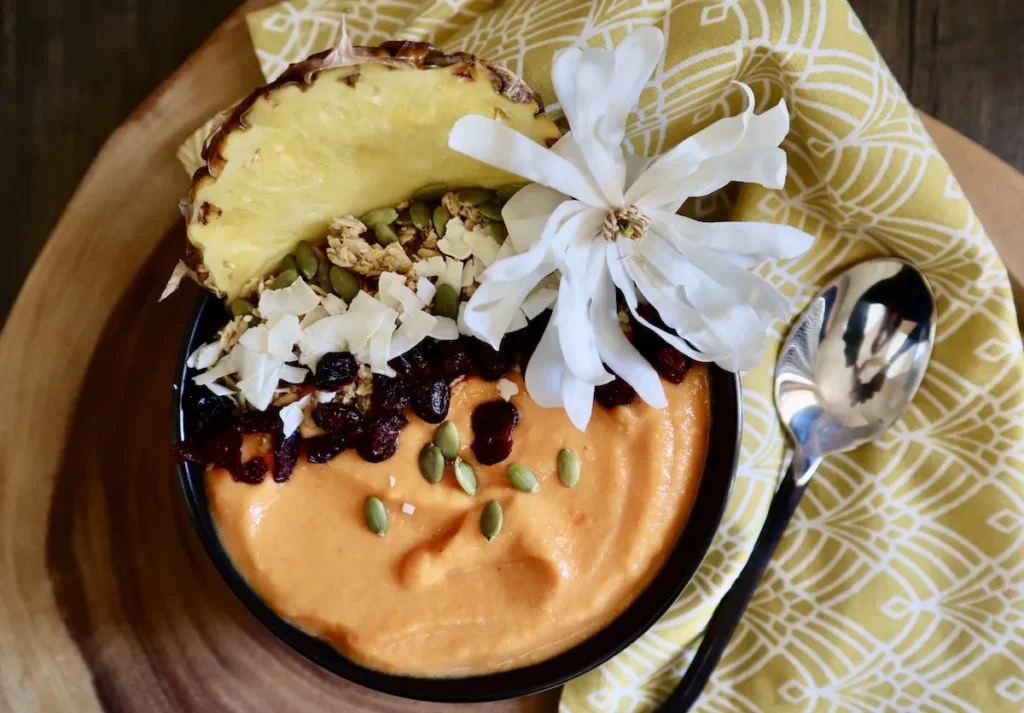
x,y
617,351
546,369
604,161
494,143
577,400
759,240
526,214
636,58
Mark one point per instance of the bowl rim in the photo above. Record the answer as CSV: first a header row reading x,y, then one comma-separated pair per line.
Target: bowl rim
x,y
722,458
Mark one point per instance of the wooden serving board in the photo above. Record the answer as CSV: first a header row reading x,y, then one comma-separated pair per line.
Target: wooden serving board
x,y
107,600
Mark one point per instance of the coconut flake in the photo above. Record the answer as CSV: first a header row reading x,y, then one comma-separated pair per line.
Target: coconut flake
x,y
228,365
444,328
282,334
391,290
452,243
220,390
333,304
293,374
468,270
452,275
205,356
408,509
425,290
315,315
325,397
258,389
297,299
432,267
507,389
484,247
291,415
391,480
180,271
416,327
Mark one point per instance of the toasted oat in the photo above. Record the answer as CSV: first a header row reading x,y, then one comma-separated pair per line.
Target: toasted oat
x,y
368,260
346,227
468,213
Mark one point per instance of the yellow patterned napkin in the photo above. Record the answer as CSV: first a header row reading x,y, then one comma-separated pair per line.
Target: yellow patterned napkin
x,y
900,584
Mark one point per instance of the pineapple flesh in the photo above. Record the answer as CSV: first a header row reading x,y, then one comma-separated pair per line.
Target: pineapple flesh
x,y
341,140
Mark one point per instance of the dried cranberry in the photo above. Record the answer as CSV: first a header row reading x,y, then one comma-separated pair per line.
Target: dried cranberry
x,y
286,455
492,364
415,363
615,393
268,421
491,449
321,449
379,440
493,423
453,358
335,370
336,416
430,400
209,410
390,395
495,417
252,472
672,364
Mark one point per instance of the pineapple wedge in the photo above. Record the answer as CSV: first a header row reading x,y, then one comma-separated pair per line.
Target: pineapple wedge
x,y
340,134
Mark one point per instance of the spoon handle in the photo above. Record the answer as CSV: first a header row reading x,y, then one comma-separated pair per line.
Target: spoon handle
x,y
730,609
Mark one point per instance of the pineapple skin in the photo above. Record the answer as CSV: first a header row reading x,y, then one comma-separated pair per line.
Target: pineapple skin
x,y
340,136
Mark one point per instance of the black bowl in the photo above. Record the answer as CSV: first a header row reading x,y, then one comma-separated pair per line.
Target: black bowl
x,y
716,483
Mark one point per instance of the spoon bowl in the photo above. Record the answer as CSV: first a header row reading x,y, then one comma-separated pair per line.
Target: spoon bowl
x,y
855,358
848,370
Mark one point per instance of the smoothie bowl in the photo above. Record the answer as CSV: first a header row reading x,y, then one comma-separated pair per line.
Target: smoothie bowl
x,y
391,433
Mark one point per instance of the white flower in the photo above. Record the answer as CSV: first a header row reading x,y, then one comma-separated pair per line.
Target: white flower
x,y
601,220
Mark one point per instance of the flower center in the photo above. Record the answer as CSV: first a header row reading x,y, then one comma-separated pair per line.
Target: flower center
x,y
625,222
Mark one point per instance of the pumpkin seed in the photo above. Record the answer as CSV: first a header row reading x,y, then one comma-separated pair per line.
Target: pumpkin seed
x,y
441,218
474,196
432,463
498,231
446,438
506,192
404,217
568,468
346,283
466,476
432,192
420,213
491,519
490,210
306,259
446,302
385,234
288,264
522,478
376,516
323,275
240,307
386,216
284,279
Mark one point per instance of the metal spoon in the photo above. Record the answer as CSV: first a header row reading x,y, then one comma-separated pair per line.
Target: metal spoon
x,y
847,372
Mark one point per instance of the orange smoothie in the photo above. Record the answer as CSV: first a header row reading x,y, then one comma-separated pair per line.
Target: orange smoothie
x,y
433,597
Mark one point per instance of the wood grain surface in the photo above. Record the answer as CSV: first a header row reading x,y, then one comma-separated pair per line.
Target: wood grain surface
x,y
107,601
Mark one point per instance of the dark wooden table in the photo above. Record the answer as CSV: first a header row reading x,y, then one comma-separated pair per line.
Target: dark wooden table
x,y
72,70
